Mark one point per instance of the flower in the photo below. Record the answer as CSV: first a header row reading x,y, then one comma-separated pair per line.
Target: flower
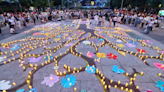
x,y
15,47
4,85
56,67
86,42
148,41
79,32
101,39
110,56
69,81
89,54
100,55
2,59
133,42
148,90
130,45
33,59
67,45
159,65
90,69
20,90
160,85
117,70
32,90
50,80
49,57
57,39
141,50
120,45
101,35
118,41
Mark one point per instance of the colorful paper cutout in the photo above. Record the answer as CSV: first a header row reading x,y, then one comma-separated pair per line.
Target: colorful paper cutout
x,y
15,47
56,67
159,65
122,53
120,45
130,45
32,90
117,70
49,58
69,81
90,69
133,42
101,39
111,55
86,42
160,85
147,41
89,54
101,55
59,36
79,32
51,80
33,59
119,41
57,39
4,85
141,50
68,45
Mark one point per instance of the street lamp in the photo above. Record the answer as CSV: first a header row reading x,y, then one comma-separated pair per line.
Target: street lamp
x,y
122,4
49,4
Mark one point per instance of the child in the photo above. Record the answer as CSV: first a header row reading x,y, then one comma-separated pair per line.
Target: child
x,y
12,30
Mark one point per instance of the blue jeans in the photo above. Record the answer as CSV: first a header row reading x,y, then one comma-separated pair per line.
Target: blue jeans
x,y
136,23
24,23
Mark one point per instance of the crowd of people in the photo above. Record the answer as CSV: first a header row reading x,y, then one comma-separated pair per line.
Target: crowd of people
x,y
143,20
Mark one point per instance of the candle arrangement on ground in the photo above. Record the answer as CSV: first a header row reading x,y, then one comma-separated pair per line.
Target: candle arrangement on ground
x,y
106,54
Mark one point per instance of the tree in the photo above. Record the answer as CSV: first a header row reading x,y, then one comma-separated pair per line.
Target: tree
x,y
1,7
42,3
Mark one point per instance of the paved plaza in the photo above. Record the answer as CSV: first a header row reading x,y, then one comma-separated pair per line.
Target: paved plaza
x,y
78,56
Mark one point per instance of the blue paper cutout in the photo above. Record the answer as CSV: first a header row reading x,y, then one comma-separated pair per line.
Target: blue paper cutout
x,y
160,84
15,47
69,81
133,42
32,90
117,70
101,39
49,58
59,36
20,90
90,69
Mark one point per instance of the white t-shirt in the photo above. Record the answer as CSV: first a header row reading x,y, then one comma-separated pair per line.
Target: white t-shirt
x,y
96,17
103,18
151,23
12,30
12,21
115,19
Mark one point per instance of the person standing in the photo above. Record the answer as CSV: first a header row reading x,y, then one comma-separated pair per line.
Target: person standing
x,y
110,21
96,17
103,20
114,20
100,20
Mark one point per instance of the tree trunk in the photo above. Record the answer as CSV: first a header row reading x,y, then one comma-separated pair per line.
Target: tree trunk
x,y
1,9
